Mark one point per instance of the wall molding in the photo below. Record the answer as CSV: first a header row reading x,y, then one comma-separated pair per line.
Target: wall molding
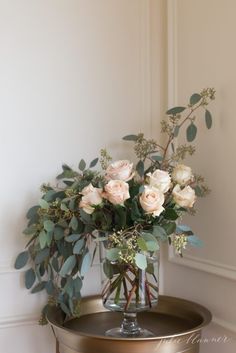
x,y
6,267
18,320
145,62
172,52
228,326
197,263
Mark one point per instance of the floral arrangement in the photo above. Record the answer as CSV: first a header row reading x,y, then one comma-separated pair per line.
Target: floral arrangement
x,y
131,207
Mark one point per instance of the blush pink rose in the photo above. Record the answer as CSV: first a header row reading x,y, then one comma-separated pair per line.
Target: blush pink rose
x,y
152,200
120,170
185,197
182,174
117,191
91,197
159,179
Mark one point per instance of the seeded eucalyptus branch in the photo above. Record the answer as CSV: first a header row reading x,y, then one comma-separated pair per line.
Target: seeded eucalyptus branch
x,y
157,156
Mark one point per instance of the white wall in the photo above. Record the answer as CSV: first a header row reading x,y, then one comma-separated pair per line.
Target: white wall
x,y
202,53
74,77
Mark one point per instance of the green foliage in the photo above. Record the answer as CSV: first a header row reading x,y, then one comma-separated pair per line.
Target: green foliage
x,y
63,235
130,138
82,165
29,278
86,262
113,254
68,265
195,98
150,242
208,119
21,260
191,132
140,168
93,163
141,261
175,110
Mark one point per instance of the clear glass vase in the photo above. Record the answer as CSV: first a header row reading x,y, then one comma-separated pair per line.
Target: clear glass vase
x,y
127,288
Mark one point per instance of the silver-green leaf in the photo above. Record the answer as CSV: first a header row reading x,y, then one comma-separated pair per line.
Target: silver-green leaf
x,y
141,261
21,260
68,265
191,132
208,119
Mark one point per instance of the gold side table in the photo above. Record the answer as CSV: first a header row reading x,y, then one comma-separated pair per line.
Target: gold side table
x,y
176,323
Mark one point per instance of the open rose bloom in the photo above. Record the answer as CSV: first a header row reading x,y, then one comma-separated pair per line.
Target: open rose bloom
x,y
120,170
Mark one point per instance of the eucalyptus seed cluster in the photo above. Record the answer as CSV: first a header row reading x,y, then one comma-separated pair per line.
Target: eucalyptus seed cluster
x,y
127,245
143,147
207,93
180,241
105,158
182,152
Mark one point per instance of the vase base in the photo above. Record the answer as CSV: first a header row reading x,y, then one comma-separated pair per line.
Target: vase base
x,y
119,333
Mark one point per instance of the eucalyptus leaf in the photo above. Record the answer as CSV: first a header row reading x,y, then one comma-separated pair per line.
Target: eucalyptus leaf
x,y
208,119
55,264
169,228
82,165
141,261
142,244
69,287
78,246
195,241
49,238
72,237
49,287
171,214
113,254
48,225
151,241
85,216
32,212
66,167
40,286
67,174
29,278
140,168
182,228
108,269
195,98
85,264
42,239
176,131
68,265
157,158
64,207
198,191
73,223
159,232
32,229
43,204
21,260
175,110
130,138
41,255
59,233
49,196
65,308
77,283
93,163
191,132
